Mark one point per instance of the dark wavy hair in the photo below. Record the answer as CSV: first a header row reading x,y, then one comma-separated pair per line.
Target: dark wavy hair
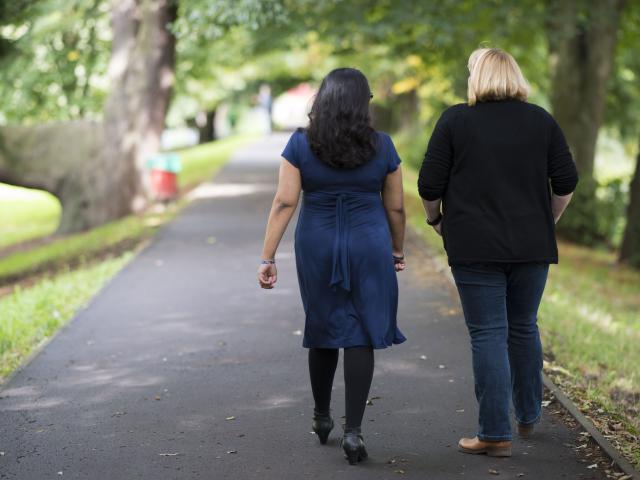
x,y
340,132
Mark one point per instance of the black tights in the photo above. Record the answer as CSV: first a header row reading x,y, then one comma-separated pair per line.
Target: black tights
x,y
358,372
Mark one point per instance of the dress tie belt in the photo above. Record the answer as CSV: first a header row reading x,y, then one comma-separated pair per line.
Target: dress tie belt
x,y
340,273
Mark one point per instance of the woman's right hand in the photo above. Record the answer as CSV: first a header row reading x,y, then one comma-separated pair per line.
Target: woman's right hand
x,y
399,262
267,275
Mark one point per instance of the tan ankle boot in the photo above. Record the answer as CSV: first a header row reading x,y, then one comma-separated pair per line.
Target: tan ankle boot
x,y
492,449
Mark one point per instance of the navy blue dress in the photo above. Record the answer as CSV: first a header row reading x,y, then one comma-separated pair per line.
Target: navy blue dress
x,y
345,266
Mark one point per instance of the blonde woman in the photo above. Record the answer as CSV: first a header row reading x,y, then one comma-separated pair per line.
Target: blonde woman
x,y
502,171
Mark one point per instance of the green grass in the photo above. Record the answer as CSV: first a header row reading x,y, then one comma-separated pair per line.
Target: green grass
x,y
74,247
32,315
26,214
590,321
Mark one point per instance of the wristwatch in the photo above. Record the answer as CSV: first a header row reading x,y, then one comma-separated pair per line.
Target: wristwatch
x,y
435,221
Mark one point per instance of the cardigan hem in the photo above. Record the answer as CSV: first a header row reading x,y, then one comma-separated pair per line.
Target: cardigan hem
x,y
466,261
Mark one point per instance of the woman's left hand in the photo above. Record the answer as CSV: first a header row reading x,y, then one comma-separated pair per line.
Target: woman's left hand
x,y
267,275
438,228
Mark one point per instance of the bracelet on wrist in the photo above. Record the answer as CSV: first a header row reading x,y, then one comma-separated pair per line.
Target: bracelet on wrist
x,y
435,221
267,262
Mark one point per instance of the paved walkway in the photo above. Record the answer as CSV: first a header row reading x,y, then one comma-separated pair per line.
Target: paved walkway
x,y
183,368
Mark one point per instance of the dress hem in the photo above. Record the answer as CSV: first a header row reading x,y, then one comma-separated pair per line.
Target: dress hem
x,y
357,344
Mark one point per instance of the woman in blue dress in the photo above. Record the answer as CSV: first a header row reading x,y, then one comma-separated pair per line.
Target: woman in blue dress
x,y
348,244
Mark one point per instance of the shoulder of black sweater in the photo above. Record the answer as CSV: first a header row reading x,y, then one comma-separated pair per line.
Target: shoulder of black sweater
x,y
454,111
535,109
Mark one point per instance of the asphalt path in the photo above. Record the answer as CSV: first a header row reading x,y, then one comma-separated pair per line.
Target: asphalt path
x,y
183,368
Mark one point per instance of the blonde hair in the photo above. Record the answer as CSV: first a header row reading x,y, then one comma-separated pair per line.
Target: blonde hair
x,y
495,75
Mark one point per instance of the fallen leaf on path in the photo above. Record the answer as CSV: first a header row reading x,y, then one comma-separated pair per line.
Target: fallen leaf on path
x,y
423,357
230,418
60,472
168,454
392,461
441,366
595,465
460,410
493,471
222,343
546,403
297,332
520,475
400,471
157,397
369,402
232,451
211,240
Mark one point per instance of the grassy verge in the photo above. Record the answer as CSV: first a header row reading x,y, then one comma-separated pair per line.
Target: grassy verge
x,y
32,315
74,249
590,325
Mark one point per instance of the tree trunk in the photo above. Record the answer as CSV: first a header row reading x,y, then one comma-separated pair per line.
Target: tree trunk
x,y
97,169
630,249
582,39
205,123
211,134
142,75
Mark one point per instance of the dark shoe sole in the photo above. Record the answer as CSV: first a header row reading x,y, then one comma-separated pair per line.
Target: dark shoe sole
x,y
525,431
490,452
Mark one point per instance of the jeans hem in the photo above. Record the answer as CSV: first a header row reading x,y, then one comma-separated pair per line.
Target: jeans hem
x,y
495,438
532,422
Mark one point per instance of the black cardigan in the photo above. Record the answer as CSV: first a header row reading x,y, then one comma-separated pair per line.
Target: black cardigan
x,y
494,166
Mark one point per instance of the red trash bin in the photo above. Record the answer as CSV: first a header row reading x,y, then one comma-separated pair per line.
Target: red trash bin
x,y
164,184
163,169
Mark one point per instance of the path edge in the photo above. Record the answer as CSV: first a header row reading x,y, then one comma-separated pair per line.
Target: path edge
x,y
606,446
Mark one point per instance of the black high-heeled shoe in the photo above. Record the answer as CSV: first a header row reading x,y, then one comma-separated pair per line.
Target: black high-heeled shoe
x,y
322,424
353,445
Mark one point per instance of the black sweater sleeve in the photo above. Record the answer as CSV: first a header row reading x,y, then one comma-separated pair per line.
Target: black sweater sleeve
x,y
434,173
560,165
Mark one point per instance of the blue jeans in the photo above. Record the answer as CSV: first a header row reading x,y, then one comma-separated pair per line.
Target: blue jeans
x,y
500,304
